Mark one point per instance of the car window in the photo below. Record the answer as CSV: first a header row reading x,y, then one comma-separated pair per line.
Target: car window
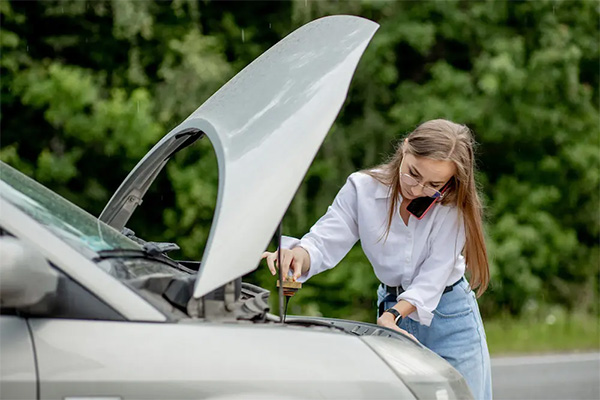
x,y
77,227
73,301
70,301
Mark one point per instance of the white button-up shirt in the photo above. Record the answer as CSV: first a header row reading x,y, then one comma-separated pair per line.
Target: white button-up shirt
x,y
423,257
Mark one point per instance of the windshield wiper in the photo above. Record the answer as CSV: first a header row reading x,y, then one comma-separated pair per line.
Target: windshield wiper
x,y
158,248
145,254
152,248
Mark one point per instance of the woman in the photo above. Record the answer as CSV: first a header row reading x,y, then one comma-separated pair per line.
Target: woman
x,y
420,262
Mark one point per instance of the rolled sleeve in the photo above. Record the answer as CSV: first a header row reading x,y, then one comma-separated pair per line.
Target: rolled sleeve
x,y
333,235
427,287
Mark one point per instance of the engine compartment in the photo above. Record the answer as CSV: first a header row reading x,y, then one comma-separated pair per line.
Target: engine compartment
x,y
238,301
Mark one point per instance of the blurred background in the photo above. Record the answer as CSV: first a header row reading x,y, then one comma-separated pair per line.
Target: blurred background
x,y
88,87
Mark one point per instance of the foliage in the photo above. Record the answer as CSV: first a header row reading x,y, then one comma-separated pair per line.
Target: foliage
x,y
89,86
551,330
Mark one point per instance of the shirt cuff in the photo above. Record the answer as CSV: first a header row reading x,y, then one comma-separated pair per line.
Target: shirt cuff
x,y
421,315
316,259
288,242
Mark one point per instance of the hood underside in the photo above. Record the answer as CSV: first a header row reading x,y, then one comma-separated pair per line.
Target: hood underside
x,y
266,125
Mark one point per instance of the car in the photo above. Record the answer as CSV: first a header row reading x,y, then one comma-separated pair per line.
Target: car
x,y
91,310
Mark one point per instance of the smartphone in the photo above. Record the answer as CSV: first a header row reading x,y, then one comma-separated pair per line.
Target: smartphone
x,y
421,205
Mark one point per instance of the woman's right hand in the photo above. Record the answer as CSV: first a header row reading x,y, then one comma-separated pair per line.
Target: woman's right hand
x,y
387,320
296,260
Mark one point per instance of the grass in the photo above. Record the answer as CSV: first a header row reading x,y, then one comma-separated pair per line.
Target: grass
x,y
552,334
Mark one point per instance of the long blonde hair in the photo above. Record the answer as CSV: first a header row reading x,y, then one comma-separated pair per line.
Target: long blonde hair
x,y
440,139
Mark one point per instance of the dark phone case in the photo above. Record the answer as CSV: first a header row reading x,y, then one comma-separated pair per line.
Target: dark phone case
x,y
421,205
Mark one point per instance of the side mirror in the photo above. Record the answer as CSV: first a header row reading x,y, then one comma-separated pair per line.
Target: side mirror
x,y
26,277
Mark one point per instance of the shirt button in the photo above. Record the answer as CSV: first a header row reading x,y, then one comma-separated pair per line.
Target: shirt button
x,y
407,259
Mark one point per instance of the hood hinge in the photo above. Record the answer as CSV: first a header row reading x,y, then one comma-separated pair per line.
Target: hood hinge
x,y
221,308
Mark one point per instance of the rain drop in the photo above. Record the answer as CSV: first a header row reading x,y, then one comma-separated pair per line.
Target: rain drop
x,y
138,106
243,36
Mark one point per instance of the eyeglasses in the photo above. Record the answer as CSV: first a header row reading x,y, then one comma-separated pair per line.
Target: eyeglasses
x,y
411,181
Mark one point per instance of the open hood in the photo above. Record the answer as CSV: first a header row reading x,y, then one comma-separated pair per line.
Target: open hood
x,y
266,125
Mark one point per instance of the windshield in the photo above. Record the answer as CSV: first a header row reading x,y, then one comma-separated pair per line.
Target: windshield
x,y
77,227
81,230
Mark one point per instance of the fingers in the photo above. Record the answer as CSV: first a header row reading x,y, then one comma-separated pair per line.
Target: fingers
x,y
409,335
271,257
297,270
300,263
385,322
287,260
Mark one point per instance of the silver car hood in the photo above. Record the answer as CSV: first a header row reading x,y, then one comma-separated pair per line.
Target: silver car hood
x,y
266,125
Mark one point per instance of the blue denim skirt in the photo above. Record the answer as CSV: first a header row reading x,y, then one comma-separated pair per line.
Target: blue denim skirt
x,y
456,334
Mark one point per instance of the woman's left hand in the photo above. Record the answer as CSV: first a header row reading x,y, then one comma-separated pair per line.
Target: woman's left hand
x,y
387,320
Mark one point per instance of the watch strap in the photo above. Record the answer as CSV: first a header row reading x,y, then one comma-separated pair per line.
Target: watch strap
x,y
396,314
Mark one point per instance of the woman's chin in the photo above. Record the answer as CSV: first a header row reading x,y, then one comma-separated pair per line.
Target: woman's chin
x,y
407,196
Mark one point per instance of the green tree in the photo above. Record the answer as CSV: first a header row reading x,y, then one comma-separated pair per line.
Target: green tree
x,y
87,87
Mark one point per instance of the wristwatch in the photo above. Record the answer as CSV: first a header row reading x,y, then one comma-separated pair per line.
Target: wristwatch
x,y
396,314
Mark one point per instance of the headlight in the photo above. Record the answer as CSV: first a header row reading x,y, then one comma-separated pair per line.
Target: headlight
x,y
427,375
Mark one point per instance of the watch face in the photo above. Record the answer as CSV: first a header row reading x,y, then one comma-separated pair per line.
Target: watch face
x,y
398,320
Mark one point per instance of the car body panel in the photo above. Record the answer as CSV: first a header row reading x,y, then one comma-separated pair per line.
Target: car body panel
x,y
266,125
285,103
17,364
206,360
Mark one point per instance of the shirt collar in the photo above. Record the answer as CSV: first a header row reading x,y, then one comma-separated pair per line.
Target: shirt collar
x,y
382,191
